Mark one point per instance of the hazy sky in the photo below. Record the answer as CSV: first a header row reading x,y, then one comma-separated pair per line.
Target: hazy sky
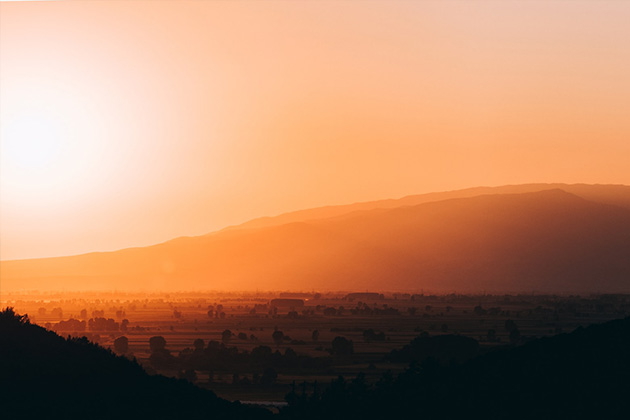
x,y
128,123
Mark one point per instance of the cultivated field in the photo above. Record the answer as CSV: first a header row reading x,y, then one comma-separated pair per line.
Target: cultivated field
x,y
253,317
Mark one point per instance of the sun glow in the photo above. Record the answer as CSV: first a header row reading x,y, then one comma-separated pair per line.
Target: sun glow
x,y
42,148
137,122
34,143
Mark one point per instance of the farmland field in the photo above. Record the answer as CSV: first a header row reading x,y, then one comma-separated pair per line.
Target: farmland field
x,y
251,318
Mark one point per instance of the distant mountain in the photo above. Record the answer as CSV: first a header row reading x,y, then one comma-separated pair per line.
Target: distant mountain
x,y
43,375
546,241
608,194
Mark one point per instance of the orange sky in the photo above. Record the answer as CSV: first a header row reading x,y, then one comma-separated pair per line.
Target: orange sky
x,y
128,123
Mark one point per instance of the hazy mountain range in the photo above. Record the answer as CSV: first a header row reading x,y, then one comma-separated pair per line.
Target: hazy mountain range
x,y
524,238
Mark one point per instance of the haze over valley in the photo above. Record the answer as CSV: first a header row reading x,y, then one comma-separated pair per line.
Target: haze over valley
x,y
306,210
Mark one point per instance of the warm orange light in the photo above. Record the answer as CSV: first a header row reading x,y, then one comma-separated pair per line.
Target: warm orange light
x,y
130,123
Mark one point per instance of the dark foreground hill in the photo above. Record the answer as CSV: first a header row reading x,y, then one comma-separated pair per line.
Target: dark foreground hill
x,y
45,376
581,375
546,241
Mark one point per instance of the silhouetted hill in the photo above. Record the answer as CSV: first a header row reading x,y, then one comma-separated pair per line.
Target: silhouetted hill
x,y
547,241
581,375
607,194
43,376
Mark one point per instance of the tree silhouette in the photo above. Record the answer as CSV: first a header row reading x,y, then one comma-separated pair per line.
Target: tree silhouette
x,y
189,374
226,335
515,334
370,335
199,345
160,357
277,337
342,346
121,344
269,377
8,316
492,335
157,343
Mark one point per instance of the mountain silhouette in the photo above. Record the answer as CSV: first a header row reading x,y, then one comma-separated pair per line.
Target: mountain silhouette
x,y
43,375
579,375
608,194
545,241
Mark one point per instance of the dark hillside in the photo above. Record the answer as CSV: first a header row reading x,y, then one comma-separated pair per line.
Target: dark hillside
x,y
581,375
43,375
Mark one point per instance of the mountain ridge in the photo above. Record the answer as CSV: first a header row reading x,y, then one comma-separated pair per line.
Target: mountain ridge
x,y
615,194
501,242
584,190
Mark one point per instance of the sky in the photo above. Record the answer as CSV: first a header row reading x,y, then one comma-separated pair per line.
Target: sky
x,y
128,123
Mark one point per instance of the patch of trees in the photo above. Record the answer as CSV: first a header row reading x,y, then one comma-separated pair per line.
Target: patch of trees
x,y
370,335
494,311
365,310
331,311
218,357
364,296
70,325
277,337
341,346
103,324
213,312
444,349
